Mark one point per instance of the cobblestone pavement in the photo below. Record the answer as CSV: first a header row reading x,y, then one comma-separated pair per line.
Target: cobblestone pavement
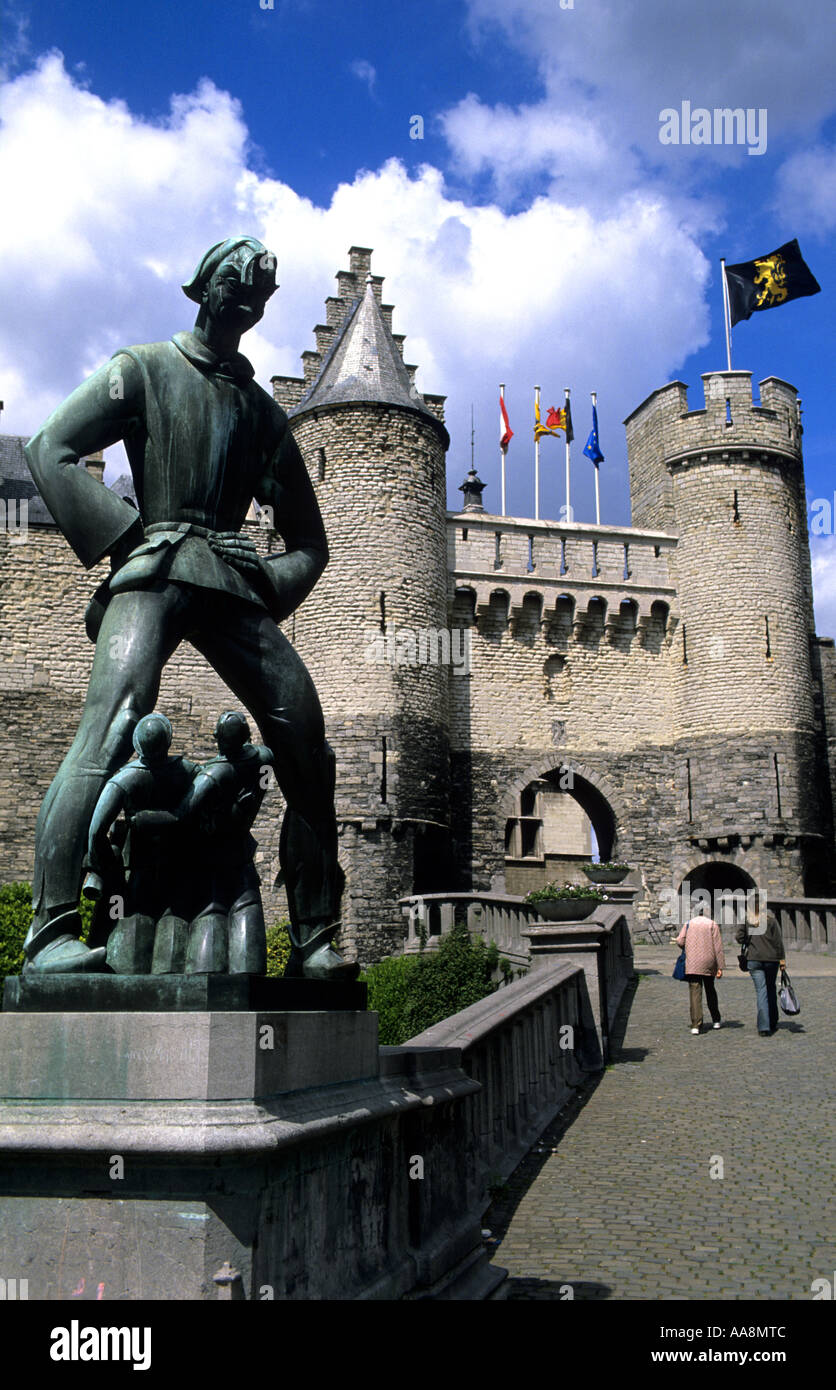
x,y
620,1203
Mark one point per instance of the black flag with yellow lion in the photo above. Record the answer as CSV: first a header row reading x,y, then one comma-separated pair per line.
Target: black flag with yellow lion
x,y
769,281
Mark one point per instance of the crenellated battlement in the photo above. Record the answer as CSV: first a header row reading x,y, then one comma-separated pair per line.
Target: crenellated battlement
x,y
595,570
662,434
730,417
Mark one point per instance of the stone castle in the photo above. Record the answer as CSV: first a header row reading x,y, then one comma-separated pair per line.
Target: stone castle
x,y
499,689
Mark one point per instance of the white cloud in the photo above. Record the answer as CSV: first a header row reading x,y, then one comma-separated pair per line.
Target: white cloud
x,y
823,558
807,184
106,214
642,55
604,72
364,71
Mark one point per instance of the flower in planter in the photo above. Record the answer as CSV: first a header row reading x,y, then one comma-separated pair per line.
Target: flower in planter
x,y
551,892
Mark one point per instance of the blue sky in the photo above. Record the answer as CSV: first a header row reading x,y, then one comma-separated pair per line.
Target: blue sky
x,y
539,232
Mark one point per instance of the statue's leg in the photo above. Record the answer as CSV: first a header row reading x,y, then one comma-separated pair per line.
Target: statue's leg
x,y
138,634
258,663
247,934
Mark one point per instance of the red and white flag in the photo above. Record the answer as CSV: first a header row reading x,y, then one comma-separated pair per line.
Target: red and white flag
x,y
506,434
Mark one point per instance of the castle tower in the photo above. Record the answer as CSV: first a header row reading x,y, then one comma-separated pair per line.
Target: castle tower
x,y
374,631
728,481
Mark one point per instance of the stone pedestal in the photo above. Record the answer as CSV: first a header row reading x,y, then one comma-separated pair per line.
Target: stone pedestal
x,y
222,1154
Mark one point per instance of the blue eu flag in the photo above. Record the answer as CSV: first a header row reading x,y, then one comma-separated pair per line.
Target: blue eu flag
x,y
592,448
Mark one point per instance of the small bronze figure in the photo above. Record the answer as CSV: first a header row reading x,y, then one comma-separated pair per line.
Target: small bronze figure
x,y
158,893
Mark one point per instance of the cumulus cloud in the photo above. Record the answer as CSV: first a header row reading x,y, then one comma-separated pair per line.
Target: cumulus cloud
x,y
750,53
807,184
823,558
591,127
107,213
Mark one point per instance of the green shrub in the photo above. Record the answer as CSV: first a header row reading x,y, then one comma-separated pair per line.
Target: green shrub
x,y
389,985
278,947
411,993
15,916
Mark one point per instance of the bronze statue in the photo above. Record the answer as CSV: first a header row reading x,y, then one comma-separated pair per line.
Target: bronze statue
x,y
151,875
202,440
227,932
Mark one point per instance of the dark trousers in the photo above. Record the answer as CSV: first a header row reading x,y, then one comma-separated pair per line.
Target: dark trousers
x,y
139,632
696,983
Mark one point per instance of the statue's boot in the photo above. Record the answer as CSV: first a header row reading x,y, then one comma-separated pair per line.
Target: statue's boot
x,y
313,957
62,953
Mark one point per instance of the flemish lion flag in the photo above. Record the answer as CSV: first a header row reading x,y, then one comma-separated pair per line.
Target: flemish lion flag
x,y
561,420
768,281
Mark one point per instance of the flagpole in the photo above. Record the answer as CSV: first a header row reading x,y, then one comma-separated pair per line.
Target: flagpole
x,y
726,310
501,450
594,395
537,458
568,502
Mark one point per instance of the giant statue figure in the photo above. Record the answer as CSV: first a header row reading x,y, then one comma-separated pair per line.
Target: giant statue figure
x,y
202,439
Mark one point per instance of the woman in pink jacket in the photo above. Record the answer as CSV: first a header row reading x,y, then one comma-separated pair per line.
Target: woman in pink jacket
x,y
704,963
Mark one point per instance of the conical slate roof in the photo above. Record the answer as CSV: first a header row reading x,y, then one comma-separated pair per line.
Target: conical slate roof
x,y
364,364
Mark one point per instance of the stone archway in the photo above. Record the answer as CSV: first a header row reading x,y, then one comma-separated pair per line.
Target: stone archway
x,y
718,887
549,812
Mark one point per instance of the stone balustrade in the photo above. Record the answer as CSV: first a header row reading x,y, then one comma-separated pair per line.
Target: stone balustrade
x,y
528,1045
807,924
497,917
600,945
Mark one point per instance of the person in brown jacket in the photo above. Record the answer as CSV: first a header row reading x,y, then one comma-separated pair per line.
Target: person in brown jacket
x,y
704,963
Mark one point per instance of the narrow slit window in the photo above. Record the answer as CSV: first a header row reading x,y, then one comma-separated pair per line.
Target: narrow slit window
x,y
595,570
382,611
736,516
728,410
626,570
684,645
464,533
563,565
320,456
530,564
497,554
766,634
777,785
383,770
690,794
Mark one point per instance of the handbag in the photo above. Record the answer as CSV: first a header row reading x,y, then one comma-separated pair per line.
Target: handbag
x,y
787,997
743,958
679,968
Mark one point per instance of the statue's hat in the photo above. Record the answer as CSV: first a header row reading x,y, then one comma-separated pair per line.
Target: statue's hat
x,y
260,261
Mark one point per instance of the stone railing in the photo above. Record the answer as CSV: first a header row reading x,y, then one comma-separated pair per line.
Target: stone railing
x,y
807,924
528,1045
602,947
600,944
497,917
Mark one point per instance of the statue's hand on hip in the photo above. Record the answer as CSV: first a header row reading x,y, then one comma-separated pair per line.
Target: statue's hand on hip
x,y
238,551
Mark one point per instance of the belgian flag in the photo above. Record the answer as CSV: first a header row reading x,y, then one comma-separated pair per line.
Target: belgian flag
x,y
769,281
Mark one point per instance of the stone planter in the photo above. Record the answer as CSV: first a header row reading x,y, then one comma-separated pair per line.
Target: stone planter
x,y
566,909
599,875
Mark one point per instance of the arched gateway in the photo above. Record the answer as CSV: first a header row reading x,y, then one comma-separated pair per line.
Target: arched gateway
x,y
557,817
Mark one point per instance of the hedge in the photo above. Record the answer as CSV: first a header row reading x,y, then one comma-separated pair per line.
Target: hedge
x,y
411,993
